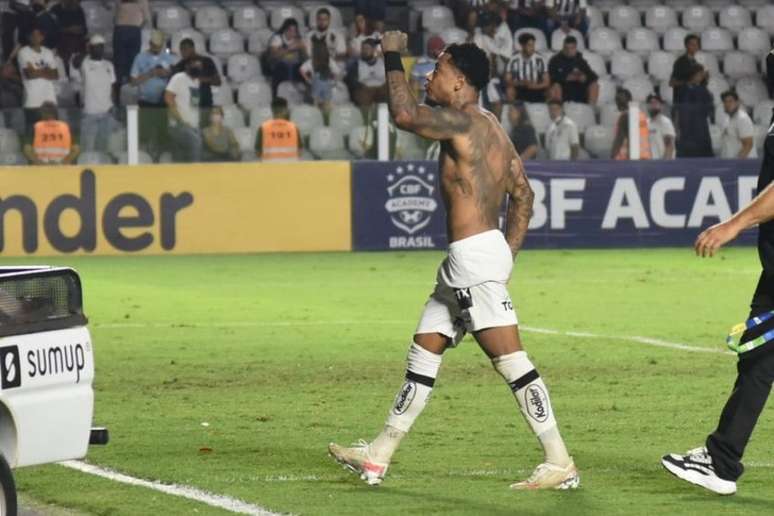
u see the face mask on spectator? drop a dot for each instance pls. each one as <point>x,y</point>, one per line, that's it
<point>96,53</point>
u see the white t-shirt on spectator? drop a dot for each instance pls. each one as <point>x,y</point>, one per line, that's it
<point>560,138</point>
<point>335,40</point>
<point>738,126</point>
<point>96,78</point>
<point>658,128</point>
<point>371,75</point>
<point>186,92</point>
<point>37,91</point>
<point>500,45</point>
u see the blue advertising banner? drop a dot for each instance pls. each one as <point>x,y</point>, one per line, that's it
<point>601,203</point>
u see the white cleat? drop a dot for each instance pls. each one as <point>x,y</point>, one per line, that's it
<point>358,460</point>
<point>551,476</point>
<point>696,467</point>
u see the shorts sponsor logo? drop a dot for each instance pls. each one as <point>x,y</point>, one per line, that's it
<point>411,204</point>
<point>404,398</point>
<point>10,368</point>
<point>536,402</point>
<point>507,305</point>
<point>464,299</point>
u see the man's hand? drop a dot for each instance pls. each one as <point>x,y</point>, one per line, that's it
<point>394,41</point>
<point>715,237</point>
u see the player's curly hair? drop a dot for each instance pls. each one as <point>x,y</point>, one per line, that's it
<point>471,61</point>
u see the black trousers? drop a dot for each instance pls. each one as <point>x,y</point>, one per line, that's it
<point>751,390</point>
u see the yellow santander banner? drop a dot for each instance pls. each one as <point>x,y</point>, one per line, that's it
<point>181,209</point>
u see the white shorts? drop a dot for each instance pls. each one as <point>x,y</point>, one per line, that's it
<point>471,288</point>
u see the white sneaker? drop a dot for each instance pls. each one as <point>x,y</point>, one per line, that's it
<point>358,460</point>
<point>551,476</point>
<point>696,467</point>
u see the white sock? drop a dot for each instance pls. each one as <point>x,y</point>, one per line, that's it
<point>421,372</point>
<point>532,395</point>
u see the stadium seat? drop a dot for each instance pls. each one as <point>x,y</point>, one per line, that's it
<point>625,64</point>
<point>716,136</point>
<point>328,144</point>
<point>641,5</point>
<point>750,4</point>
<point>540,39</point>
<point>248,18</point>
<point>660,18</point>
<point>666,91</point>
<point>223,95</point>
<point>188,33</point>
<point>754,40</point>
<point>596,62</point>
<point>308,118</point>
<point>604,41</point>
<point>538,115</point>
<point>679,5</point>
<point>9,141</point>
<point>581,114</point>
<point>674,39</point>
<point>117,141</point>
<point>708,61</point>
<point>158,5</point>
<point>764,18</point>
<point>641,40</point>
<point>607,87</point>
<point>596,19</point>
<point>233,117</point>
<point>558,36</point>
<point>94,158</point>
<point>623,18</point>
<point>340,94</point>
<point>762,111</point>
<point>196,5</point>
<point>243,67</point>
<point>9,159</point>
<point>716,39</point>
<point>259,115</point>
<point>336,19</point>
<point>143,158</point>
<point>640,87</point>
<point>255,93</point>
<point>697,18</point>
<point>258,41</point>
<point>360,139</point>
<point>278,15</point>
<point>751,90</point>
<point>246,137</point>
<point>608,115</point>
<point>345,117</point>
<point>717,84</point>
<point>606,5</point>
<point>437,18</point>
<point>99,20</point>
<point>734,17</point>
<point>210,19</point>
<point>233,6</point>
<point>454,35</point>
<point>738,64</point>
<point>408,146</point>
<point>225,42</point>
<point>171,19</point>
<point>660,64</point>
<point>291,92</point>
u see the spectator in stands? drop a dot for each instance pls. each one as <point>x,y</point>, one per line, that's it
<point>528,13</point>
<point>72,28</point>
<point>278,139</point>
<point>39,72</point>
<point>11,87</point>
<point>425,64</point>
<point>367,78</point>
<point>495,38</point>
<point>46,20</point>
<point>220,144</point>
<point>336,42</point>
<point>570,13</point>
<point>321,73</point>
<point>620,149</point>
<point>150,72</point>
<point>522,134</point>
<point>209,75</point>
<point>562,139</point>
<point>52,143</point>
<point>737,141</point>
<point>16,23</point>
<point>182,99</point>
<point>661,131</point>
<point>286,53</point>
<point>470,23</point>
<point>770,74</point>
<point>527,73</point>
<point>375,12</point>
<point>693,108</point>
<point>97,77</point>
<point>572,78</point>
<point>685,64</point>
<point>361,31</point>
<point>131,17</point>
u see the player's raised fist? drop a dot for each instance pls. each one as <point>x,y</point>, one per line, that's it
<point>394,41</point>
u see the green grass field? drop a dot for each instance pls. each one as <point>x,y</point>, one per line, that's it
<point>281,354</point>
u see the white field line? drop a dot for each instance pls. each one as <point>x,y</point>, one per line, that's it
<point>192,493</point>
<point>648,341</point>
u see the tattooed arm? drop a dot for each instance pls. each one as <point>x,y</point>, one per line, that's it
<point>520,197</point>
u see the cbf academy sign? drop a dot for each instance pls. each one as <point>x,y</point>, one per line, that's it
<point>577,204</point>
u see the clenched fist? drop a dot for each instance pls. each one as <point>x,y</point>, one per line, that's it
<point>394,41</point>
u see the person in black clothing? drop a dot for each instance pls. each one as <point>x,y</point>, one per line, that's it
<point>16,23</point>
<point>770,74</point>
<point>71,21</point>
<point>681,70</point>
<point>572,79</point>
<point>716,466</point>
<point>693,107</point>
<point>209,76</point>
<point>522,132</point>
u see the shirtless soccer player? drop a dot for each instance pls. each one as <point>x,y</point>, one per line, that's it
<point>478,167</point>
